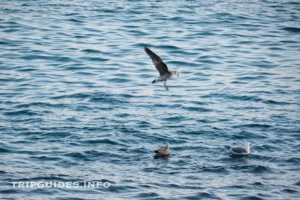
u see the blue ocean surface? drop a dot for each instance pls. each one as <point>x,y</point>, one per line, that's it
<point>75,88</point>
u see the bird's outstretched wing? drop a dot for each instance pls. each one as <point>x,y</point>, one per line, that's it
<point>157,61</point>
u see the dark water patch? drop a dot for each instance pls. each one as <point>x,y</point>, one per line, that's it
<point>175,118</point>
<point>143,124</point>
<point>101,141</point>
<point>256,169</point>
<point>263,126</point>
<point>56,134</point>
<point>137,32</point>
<point>97,59</point>
<point>47,58</point>
<point>233,97</point>
<point>96,154</point>
<point>147,195</point>
<point>77,21</point>
<point>197,109</point>
<point>10,191</point>
<point>11,30</point>
<point>45,158</point>
<point>109,99</point>
<point>258,184</point>
<point>21,113</point>
<point>70,198</point>
<point>71,96</point>
<point>249,78</point>
<point>290,191</point>
<point>140,150</point>
<point>202,195</point>
<point>252,197</point>
<point>291,29</point>
<point>75,67</point>
<point>274,102</point>
<point>243,97</point>
<point>181,63</point>
<point>123,115</point>
<point>91,51</point>
<point>119,80</point>
<point>215,169</point>
<point>40,104</point>
<point>4,150</point>
<point>239,82</point>
<point>77,156</point>
<point>294,160</point>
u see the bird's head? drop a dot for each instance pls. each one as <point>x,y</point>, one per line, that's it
<point>166,143</point>
<point>175,73</point>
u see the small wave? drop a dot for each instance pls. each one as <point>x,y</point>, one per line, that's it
<point>39,104</point>
<point>176,118</point>
<point>214,169</point>
<point>253,126</point>
<point>202,195</point>
<point>290,191</point>
<point>197,109</point>
<point>76,95</point>
<point>75,20</point>
<point>56,134</point>
<point>46,158</point>
<point>98,59</point>
<point>253,168</point>
<point>119,80</point>
<point>252,197</point>
<point>77,155</point>
<point>101,141</point>
<point>4,150</point>
<point>295,160</point>
<point>292,29</point>
<point>275,102</point>
<point>91,51</point>
<point>22,112</point>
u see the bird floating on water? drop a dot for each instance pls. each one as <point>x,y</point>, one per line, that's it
<point>164,150</point>
<point>239,151</point>
<point>161,67</point>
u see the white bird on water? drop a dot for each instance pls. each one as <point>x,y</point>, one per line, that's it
<point>239,151</point>
<point>163,151</point>
<point>161,67</point>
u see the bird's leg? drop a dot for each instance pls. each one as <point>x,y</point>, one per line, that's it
<point>165,83</point>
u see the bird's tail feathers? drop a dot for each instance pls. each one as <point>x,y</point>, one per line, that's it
<point>227,147</point>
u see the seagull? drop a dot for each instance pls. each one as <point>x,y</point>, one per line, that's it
<point>161,67</point>
<point>239,151</point>
<point>163,151</point>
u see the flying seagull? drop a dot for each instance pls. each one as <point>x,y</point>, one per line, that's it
<point>163,151</point>
<point>239,151</point>
<point>161,67</point>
